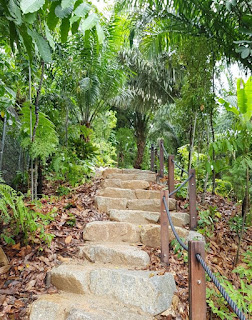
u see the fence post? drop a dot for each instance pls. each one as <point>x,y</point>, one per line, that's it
<point>171,174</point>
<point>192,200</point>
<point>152,157</point>
<point>161,158</point>
<point>197,282</point>
<point>164,228</point>
<point>155,157</point>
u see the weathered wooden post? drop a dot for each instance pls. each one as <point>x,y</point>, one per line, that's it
<point>192,200</point>
<point>155,161</point>
<point>197,282</point>
<point>164,228</point>
<point>171,174</point>
<point>152,157</point>
<point>161,158</point>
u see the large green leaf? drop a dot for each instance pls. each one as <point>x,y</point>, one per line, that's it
<point>42,45</point>
<point>49,37</point>
<point>100,33</point>
<point>67,3</point>
<point>241,96</point>
<point>29,6</point>
<point>27,40</point>
<point>82,10</point>
<point>63,13</point>
<point>52,19</point>
<point>64,29</point>
<point>15,12</point>
<point>90,22</point>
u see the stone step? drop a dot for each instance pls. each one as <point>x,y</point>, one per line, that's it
<point>129,193</point>
<point>133,184</point>
<point>116,254</point>
<point>88,307</point>
<point>152,205</point>
<point>109,171</point>
<point>107,203</point>
<point>151,177</point>
<point>109,231</point>
<point>143,289</point>
<point>179,219</point>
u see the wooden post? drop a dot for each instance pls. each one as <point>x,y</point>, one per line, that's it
<point>192,200</point>
<point>171,174</point>
<point>161,158</point>
<point>164,228</point>
<point>197,282</point>
<point>152,157</point>
<point>156,156</point>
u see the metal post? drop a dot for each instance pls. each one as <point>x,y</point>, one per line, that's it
<point>152,157</point>
<point>171,174</point>
<point>197,282</point>
<point>192,200</point>
<point>161,158</point>
<point>164,228</point>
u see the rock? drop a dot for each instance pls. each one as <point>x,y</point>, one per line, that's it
<point>150,235</point>
<point>111,183</point>
<point>71,278</point>
<point>104,203</point>
<point>134,216</point>
<point>116,254</point>
<point>109,171</point>
<point>49,308</point>
<point>135,184</point>
<point>151,177</point>
<point>180,219</point>
<point>147,194</point>
<point>195,236</point>
<point>72,306</point>
<point>152,205</point>
<point>111,232</point>
<point>147,290</point>
<point>117,193</point>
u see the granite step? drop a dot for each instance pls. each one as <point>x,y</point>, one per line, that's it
<point>148,290</point>
<point>132,184</point>
<point>179,219</point>
<point>83,307</point>
<point>129,193</point>
<point>107,203</point>
<point>116,254</point>
<point>150,177</point>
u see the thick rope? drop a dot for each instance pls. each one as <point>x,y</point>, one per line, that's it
<point>178,166</point>
<point>220,288</point>
<point>182,184</point>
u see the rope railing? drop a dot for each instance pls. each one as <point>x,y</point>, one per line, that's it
<point>181,186</point>
<point>225,295</point>
<point>179,167</point>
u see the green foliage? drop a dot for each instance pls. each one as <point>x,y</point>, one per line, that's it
<point>16,218</point>
<point>63,191</point>
<point>242,295</point>
<point>223,188</point>
<point>126,147</point>
<point>68,167</point>
<point>46,138</point>
<point>207,219</point>
<point>177,249</point>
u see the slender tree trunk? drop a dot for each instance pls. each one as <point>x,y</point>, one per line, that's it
<point>30,99</point>
<point>66,124</point>
<point>3,142</point>
<point>192,142</point>
<point>36,180</point>
<point>40,179</point>
<point>244,213</point>
<point>213,140</point>
<point>141,122</point>
<point>207,174</point>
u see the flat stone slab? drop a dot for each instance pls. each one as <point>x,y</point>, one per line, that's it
<point>151,177</point>
<point>152,205</point>
<point>110,231</point>
<point>117,193</point>
<point>150,235</point>
<point>147,194</point>
<point>117,183</point>
<point>134,216</point>
<point>88,307</point>
<point>116,254</point>
<point>145,289</point>
<point>105,204</point>
<point>180,219</point>
<point>71,278</point>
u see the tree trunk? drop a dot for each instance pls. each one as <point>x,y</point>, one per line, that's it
<point>40,179</point>
<point>141,122</point>
<point>3,142</point>
<point>213,140</point>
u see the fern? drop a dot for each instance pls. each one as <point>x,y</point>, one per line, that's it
<point>19,218</point>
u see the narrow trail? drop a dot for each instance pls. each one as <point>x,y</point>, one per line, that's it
<point>108,278</point>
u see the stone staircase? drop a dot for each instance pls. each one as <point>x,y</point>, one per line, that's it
<point>106,282</point>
